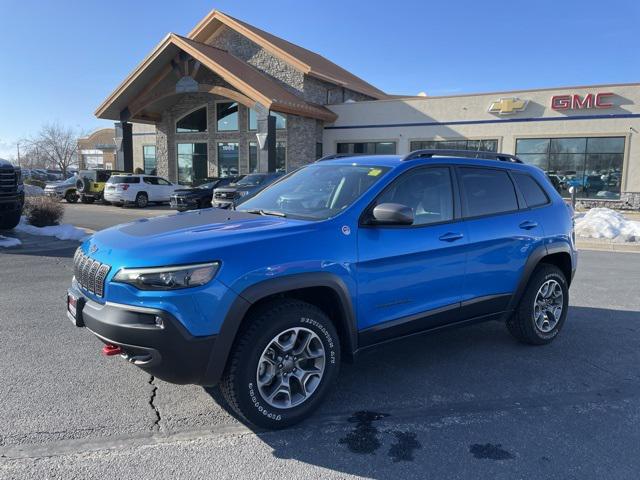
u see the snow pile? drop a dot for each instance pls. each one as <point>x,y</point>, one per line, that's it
<point>606,223</point>
<point>9,242</point>
<point>33,190</point>
<point>61,232</point>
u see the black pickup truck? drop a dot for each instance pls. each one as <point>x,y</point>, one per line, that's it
<point>11,195</point>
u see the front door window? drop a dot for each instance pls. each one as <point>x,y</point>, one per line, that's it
<point>228,159</point>
<point>192,163</point>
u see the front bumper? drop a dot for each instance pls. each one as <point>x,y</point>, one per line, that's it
<point>54,194</point>
<point>182,203</point>
<point>167,351</point>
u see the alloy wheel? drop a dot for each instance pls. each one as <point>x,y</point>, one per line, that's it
<point>291,368</point>
<point>548,305</point>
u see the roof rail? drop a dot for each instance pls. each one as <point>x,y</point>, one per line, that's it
<point>333,156</point>
<point>503,157</point>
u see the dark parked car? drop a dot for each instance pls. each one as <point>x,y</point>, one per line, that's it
<point>11,195</point>
<point>234,193</point>
<point>200,196</point>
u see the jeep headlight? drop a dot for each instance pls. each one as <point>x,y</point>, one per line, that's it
<point>168,278</point>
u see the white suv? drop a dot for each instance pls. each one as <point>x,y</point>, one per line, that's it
<point>138,189</point>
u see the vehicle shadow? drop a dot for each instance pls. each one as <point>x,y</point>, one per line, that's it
<point>379,419</point>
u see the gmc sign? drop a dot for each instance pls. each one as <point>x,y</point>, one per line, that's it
<point>579,102</point>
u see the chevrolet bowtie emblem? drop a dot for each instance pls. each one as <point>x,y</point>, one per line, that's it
<point>506,106</point>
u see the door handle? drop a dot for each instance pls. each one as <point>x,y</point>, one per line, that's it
<point>450,237</point>
<point>528,225</point>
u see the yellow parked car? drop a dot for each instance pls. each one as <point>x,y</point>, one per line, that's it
<point>90,184</point>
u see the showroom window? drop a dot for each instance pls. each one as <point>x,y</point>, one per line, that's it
<point>593,165</point>
<point>281,156</point>
<point>228,159</point>
<point>149,159</point>
<point>253,157</point>
<point>193,122</point>
<point>192,163</point>
<point>485,145</point>
<point>227,116</point>
<point>281,120</point>
<point>371,148</point>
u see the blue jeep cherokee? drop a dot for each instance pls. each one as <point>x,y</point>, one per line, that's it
<point>331,259</point>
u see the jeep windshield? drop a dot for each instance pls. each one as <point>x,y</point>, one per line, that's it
<point>316,192</point>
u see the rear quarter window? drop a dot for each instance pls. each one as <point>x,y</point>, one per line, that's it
<point>533,193</point>
<point>124,180</point>
<point>487,191</point>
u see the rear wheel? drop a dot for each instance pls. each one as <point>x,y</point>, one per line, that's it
<point>71,196</point>
<point>282,365</point>
<point>142,200</point>
<point>543,307</point>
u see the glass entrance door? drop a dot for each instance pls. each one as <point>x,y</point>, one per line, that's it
<point>228,159</point>
<point>192,163</point>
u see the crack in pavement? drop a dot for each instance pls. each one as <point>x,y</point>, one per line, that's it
<point>154,391</point>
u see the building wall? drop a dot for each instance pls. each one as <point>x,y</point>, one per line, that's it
<point>97,141</point>
<point>167,138</point>
<point>143,134</point>
<point>439,118</point>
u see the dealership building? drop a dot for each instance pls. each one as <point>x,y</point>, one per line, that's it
<point>229,98</point>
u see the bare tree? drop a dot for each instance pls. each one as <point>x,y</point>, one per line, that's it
<point>56,145</point>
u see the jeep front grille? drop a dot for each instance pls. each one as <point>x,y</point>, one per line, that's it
<point>90,273</point>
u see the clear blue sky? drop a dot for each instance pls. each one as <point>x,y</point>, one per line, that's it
<point>60,59</point>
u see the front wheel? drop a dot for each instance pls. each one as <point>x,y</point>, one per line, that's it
<point>543,308</point>
<point>282,365</point>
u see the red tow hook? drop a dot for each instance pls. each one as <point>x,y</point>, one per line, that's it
<point>110,350</point>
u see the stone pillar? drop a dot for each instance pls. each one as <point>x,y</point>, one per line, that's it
<point>266,127</point>
<point>127,146</point>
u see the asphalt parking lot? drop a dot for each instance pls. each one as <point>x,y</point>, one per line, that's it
<point>467,403</point>
<point>97,216</point>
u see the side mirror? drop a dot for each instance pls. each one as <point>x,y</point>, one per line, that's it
<point>392,214</point>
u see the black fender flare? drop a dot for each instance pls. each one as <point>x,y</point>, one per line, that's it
<point>248,297</point>
<point>532,262</point>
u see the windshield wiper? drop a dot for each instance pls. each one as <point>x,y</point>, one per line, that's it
<point>275,213</point>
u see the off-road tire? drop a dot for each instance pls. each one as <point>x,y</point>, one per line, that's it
<point>10,220</point>
<point>522,323</point>
<point>71,196</point>
<point>82,185</point>
<point>239,384</point>
<point>142,200</point>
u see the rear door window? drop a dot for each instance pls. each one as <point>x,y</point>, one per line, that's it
<point>123,179</point>
<point>532,192</point>
<point>486,191</point>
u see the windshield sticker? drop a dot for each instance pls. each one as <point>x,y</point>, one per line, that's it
<point>374,172</point>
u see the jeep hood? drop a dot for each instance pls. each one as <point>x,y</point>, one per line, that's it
<point>175,238</point>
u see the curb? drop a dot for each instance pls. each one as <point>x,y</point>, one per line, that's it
<point>606,245</point>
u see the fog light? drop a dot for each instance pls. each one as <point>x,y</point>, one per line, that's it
<point>159,322</point>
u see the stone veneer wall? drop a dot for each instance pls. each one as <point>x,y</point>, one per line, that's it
<point>301,134</point>
<point>628,201</point>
